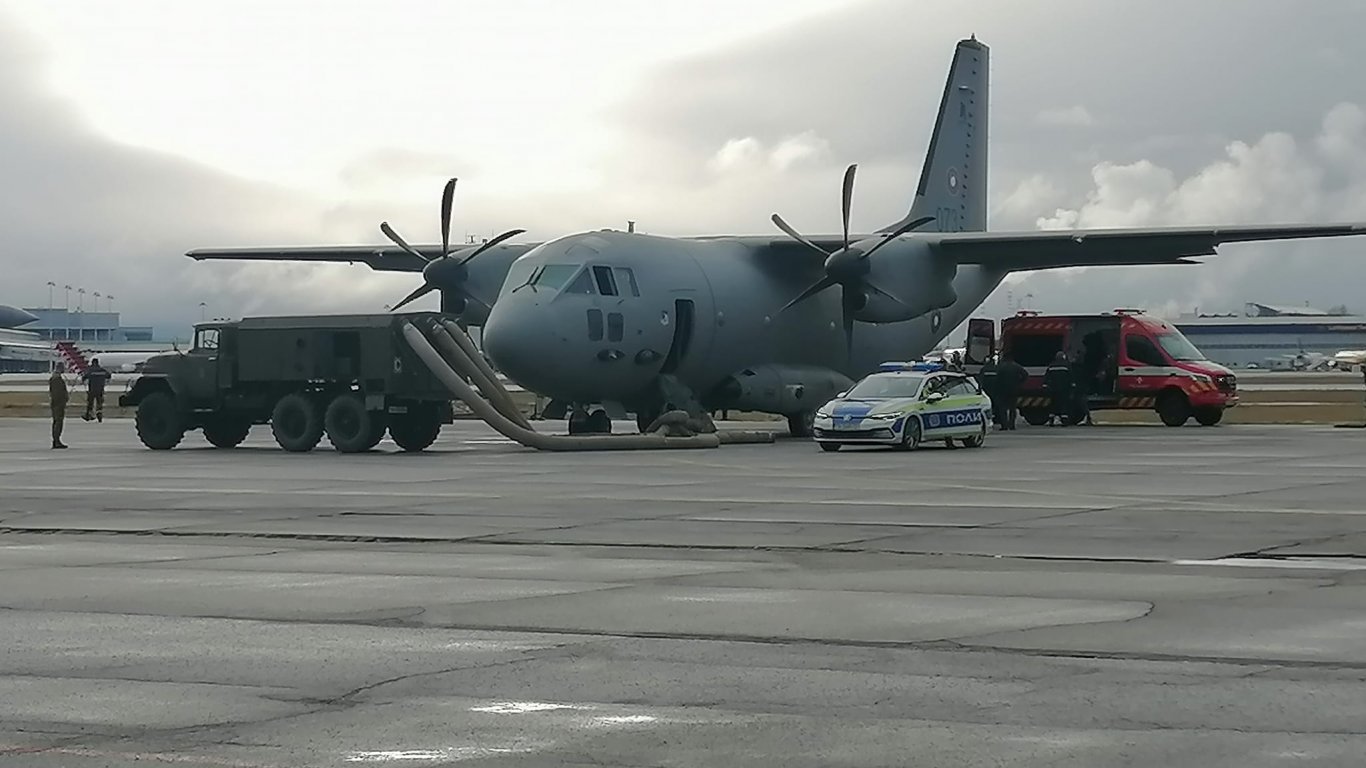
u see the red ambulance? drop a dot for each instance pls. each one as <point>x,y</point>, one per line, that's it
<point>1131,361</point>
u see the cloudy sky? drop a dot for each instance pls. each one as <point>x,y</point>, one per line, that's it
<point>133,131</point>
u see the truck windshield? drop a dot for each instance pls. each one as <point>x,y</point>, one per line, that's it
<point>1178,347</point>
<point>886,385</point>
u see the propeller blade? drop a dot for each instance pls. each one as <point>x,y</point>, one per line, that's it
<point>825,282</point>
<point>447,195</point>
<point>400,242</point>
<point>848,200</point>
<point>848,318</point>
<point>795,235</point>
<point>423,290</point>
<point>876,289</point>
<point>491,243</point>
<point>903,229</point>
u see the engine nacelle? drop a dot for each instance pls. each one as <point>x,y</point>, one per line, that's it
<point>911,271</point>
<point>782,389</point>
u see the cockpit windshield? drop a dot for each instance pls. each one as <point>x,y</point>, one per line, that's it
<point>886,385</point>
<point>1179,347</point>
<point>554,276</point>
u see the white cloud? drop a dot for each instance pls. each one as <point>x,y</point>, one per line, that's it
<point>750,155</point>
<point>1075,116</point>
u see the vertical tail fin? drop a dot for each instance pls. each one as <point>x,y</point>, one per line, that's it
<point>953,181</point>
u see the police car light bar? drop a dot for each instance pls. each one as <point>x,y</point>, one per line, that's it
<point>916,366</point>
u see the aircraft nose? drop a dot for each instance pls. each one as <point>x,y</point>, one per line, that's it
<point>516,344</point>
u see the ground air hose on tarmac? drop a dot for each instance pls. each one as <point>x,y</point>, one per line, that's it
<point>462,360</point>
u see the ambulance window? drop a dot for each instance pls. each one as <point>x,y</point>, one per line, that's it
<point>1140,350</point>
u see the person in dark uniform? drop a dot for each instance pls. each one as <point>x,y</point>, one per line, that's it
<point>988,381</point>
<point>1081,389</point>
<point>57,399</point>
<point>1010,378</point>
<point>1057,380</point>
<point>95,377</point>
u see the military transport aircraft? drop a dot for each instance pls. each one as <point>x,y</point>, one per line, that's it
<point>761,323</point>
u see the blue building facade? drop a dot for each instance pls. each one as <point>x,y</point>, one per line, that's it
<point>58,324</point>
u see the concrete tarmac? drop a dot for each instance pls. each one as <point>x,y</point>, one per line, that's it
<point>1061,597</point>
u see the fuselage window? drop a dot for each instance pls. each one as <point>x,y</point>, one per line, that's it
<point>615,326</point>
<point>595,325</point>
<point>627,278</point>
<point>582,284</point>
<point>607,286</point>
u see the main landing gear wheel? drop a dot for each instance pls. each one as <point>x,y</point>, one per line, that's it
<point>1035,417</point>
<point>801,424</point>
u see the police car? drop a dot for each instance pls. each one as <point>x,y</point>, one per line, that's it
<point>905,404</point>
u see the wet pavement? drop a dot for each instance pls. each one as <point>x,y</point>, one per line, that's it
<point>1062,597</point>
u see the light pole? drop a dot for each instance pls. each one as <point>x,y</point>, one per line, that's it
<point>109,297</point>
<point>201,311</point>
<point>51,286</point>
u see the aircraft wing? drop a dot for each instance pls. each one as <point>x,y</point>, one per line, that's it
<point>385,258</point>
<point>1050,249</point>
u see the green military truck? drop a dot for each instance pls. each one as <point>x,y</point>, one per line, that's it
<point>350,377</point>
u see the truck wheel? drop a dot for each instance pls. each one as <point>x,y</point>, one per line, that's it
<point>349,426</point>
<point>1209,416</point>
<point>415,430</point>
<point>159,423</point>
<point>296,423</point>
<point>225,431</point>
<point>1173,409</point>
<point>378,423</point>
<point>1035,417</point>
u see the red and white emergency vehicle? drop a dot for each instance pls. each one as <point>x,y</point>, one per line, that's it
<point>1130,360</point>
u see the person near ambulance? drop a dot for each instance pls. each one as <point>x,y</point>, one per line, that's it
<point>1057,381</point>
<point>988,380</point>
<point>1010,378</point>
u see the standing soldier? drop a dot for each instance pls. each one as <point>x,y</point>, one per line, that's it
<point>1057,379</point>
<point>95,376</point>
<point>987,379</point>
<point>57,398</point>
<point>1010,378</point>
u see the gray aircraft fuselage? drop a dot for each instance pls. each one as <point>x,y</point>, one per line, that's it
<point>543,337</point>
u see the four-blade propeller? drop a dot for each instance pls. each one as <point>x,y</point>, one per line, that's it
<point>445,272</point>
<point>847,267</point>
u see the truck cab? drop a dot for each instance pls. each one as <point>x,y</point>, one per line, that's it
<point>1126,360</point>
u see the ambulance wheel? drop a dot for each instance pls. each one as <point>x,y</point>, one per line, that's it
<point>1208,417</point>
<point>1173,409</point>
<point>1035,417</point>
<point>830,447</point>
<point>913,434</point>
<point>976,440</point>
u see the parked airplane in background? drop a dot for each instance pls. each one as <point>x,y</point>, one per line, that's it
<point>14,317</point>
<point>762,323</point>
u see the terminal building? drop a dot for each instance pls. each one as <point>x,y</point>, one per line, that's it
<point>30,338</point>
<point>1269,336</point>
<point>61,324</point>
